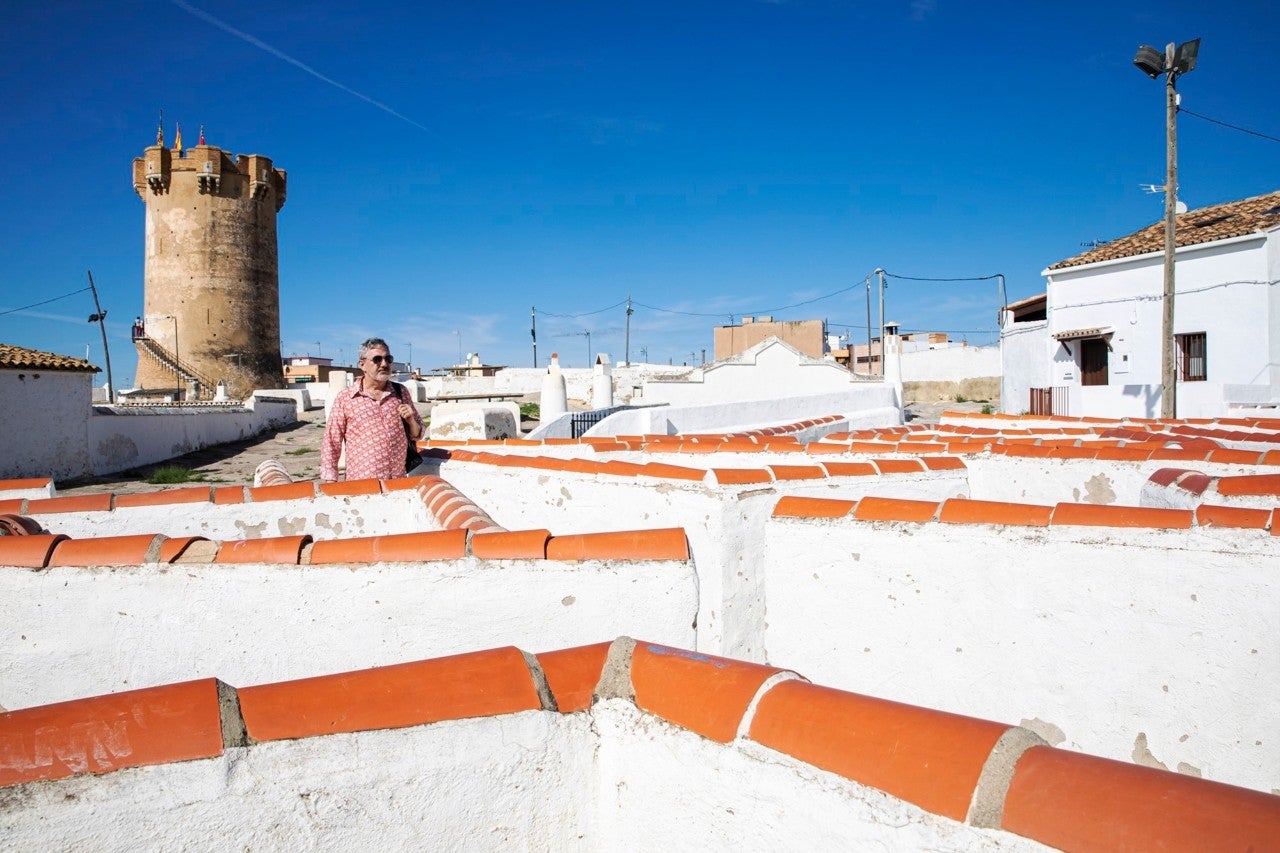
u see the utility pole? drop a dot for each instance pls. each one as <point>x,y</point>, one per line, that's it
<point>855,361</point>
<point>533,330</point>
<point>101,318</point>
<point>630,311</point>
<point>880,273</point>
<point>1177,59</point>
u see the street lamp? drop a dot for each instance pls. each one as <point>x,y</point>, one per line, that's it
<point>459,334</point>
<point>1179,59</point>
<point>409,366</point>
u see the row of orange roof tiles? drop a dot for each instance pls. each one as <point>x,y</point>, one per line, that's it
<point>938,761</point>
<point>52,550</point>
<point>967,511</point>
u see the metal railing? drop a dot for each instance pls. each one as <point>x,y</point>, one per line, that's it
<point>1049,401</point>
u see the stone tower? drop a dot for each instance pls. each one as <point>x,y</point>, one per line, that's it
<point>211,285</point>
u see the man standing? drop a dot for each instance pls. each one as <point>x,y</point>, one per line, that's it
<point>373,419</point>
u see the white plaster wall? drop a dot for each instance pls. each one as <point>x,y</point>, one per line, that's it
<point>627,379</point>
<point>664,788</point>
<point>77,632</point>
<point>1137,645</point>
<point>1024,364</point>
<point>300,395</point>
<point>770,369</point>
<point>519,781</point>
<point>134,436</point>
<point>1223,289</point>
<point>863,405</point>
<point>950,364</point>
<point>322,518</point>
<point>725,525</point>
<point>44,417</point>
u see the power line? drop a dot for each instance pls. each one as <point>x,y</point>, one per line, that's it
<point>917,278</point>
<point>46,302</point>
<point>587,313</point>
<point>1225,124</point>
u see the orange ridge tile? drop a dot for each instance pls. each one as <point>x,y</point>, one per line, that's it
<point>739,476</point>
<point>965,511</point>
<point>825,448</point>
<point>671,472</point>
<point>702,693</point>
<point>560,441</point>
<point>350,487</point>
<point>777,445</point>
<point>188,495</point>
<point>796,506</point>
<point>229,494</point>
<point>1065,452</point>
<point>849,469</point>
<point>944,463</point>
<point>400,484</point>
<point>894,509</point>
<point>872,447</point>
<point>898,466</point>
<point>966,447</point>
<point>29,552</point>
<point>1238,457</point>
<point>105,551</point>
<point>133,728</point>
<point>392,548</point>
<point>1125,454</point>
<point>1095,515</point>
<point>511,545</point>
<point>663,544</point>
<point>476,684</point>
<point>619,468</point>
<point>24,483</point>
<point>172,548</point>
<point>1167,476</point>
<point>284,550</point>
<point>16,506</point>
<point>1253,484</point>
<point>930,758</point>
<point>100,502</point>
<point>1073,801</point>
<point>572,674</point>
<point>1209,515</point>
<point>1271,457</point>
<point>285,492</point>
<point>796,472</point>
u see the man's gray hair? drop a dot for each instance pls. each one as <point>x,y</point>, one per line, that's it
<point>371,343</point>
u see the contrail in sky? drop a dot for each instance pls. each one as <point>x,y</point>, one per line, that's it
<point>258,43</point>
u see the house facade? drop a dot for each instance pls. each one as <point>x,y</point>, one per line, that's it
<point>1104,319</point>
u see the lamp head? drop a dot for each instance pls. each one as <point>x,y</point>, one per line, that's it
<point>1150,61</point>
<point>1185,58</point>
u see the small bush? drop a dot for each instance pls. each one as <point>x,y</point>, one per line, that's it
<point>988,409</point>
<point>299,451</point>
<point>169,474</point>
<point>530,410</point>
<point>960,398</point>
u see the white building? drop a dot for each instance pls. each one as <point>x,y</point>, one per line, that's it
<point>1104,320</point>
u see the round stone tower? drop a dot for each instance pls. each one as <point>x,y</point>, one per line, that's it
<point>211,285</point>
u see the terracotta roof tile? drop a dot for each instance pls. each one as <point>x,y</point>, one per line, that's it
<point>16,358</point>
<point>1203,225</point>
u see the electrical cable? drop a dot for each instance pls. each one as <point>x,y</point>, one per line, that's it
<point>1225,124</point>
<point>46,302</point>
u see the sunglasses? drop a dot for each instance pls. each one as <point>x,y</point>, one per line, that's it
<point>381,359</point>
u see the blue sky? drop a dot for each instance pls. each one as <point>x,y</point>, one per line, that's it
<point>451,167</point>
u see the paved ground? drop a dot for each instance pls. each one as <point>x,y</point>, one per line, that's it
<point>297,448</point>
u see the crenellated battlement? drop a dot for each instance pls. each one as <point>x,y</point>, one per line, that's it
<point>215,173</point>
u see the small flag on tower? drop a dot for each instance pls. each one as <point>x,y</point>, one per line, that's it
<point>177,138</point>
<point>160,130</point>
<point>201,140</point>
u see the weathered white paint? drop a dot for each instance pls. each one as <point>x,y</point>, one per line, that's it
<point>770,369</point>
<point>664,788</point>
<point>463,420</point>
<point>1226,288</point>
<point>322,518</point>
<point>1134,644</point>
<point>611,779</point>
<point>1025,355</point>
<point>77,632</point>
<point>44,417</point>
<point>949,364</point>
<point>52,431</point>
<point>522,781</point>
<point>301,397</point>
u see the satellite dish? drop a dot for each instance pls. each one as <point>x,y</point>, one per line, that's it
<point>1180,206</point>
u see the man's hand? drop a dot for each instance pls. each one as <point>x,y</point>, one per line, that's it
<point>407,412</point>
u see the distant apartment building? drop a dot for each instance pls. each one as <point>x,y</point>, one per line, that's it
<point>807,336</point>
